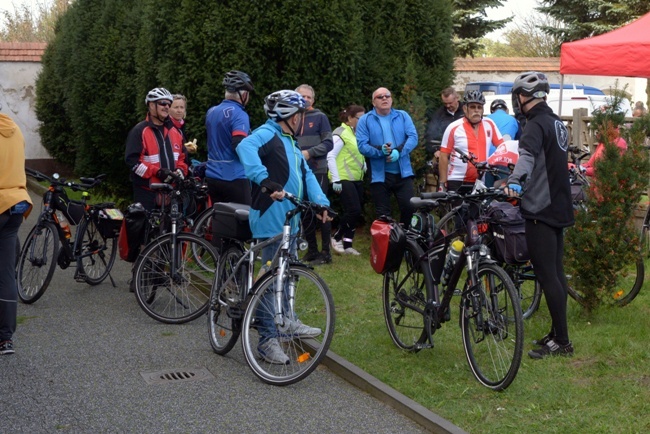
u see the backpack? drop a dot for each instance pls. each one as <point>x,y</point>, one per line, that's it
<point>132,232</point>
<point>388,245</point>
<point>508,232</point>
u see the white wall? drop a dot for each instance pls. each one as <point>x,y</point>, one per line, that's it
<point>18,98</point>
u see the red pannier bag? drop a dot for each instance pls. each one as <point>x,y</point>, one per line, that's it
<point>388,244</point>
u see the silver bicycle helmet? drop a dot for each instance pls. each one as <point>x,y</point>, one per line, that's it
<point>474,96</point>
<point>498,104</point>
<point>531,83</point>
<point>236,80</point>
<point>283,104</point>
<point>157,94</point>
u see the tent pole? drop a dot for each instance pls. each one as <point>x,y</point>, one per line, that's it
<point>559,112</point>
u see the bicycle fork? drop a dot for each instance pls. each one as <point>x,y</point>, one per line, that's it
<point>280,295</point>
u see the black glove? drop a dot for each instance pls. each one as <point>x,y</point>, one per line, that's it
<point>165,175</point>
<point>269,187</point>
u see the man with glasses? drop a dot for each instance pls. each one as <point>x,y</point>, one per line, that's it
<point>387,136</point>
<point>471,135</point>
<point>154,148</point>
<point>451,110</point>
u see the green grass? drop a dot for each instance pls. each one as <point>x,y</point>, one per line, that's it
<point>604,388</point>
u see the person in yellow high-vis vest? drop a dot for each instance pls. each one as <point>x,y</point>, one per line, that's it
<point>346,169</point>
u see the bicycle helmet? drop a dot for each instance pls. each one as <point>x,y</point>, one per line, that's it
<point>474,96</point>
<point>157,94</point>
<point>531,83</point>
<point>236,80</point>
<point>283,104</point>
<point>498,104</point>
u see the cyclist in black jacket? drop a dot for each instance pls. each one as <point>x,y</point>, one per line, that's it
<point>542,175</point>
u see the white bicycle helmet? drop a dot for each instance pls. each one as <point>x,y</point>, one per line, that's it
<point>157,94</point>
<point>283,104</point>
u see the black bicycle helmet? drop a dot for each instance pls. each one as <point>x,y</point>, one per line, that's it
<point>283,104</point>
<point>498,104</point>
<point>157,94</point>
<point>474,96</point>
<point>531,83</point>
<point>236,80</point>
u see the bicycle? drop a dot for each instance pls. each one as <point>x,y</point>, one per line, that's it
<point>50,241</point>
<point>173,274</point>
<point>417,296</point>
<point>299,294</point>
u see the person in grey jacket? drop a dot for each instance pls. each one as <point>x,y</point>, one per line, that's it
<point>315,139</point>
<point>541,177</point>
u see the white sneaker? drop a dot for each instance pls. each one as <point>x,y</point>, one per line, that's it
<point>351,251</point>
<point>296,329</point>
<point>337,246</point>
<point>271,351</point>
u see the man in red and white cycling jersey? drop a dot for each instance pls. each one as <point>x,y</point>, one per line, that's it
<point>471,135</point>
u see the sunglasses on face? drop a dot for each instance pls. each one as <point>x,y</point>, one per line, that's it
<point>386,96</point>
<point>163,103</point>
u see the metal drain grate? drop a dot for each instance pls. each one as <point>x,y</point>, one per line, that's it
<point>176,375</point>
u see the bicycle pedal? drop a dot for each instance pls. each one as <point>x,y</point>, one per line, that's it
<point>79,277</point>
<point>424,346</point>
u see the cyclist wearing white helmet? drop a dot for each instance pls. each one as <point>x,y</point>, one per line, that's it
<point>541,172</point>
<point>471,135</point>
<point>274,164</point>
<point>154,148</point>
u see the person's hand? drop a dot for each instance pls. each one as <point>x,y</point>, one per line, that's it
<point>394,156</point>
<point>165,175</point>
<point>442,187</point>
<point>324,217</point>
<point>191,147</point>
<point>305,154</point>
<point>179,174</point>
<point>513,190</point>
<point>273,189</point>
<point>583,169</point>
<point>337,187</point>
<point>385,148</point>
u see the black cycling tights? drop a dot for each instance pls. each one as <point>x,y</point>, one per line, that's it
<point>546,247</point>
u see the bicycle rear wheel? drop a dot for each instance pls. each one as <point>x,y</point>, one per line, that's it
<point>492,327</point>
<point>203,228</point>
<point>37,262</point>
<point>180,296</point>
<point>405,292</point>
<point>96,254</point>
<point>527,286</point>
<point>313,306</point>
<point>227,301</point>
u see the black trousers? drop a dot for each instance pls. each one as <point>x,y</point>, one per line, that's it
<point>352,203</point>
<point>310,223</point>
<point>546,247</point>
<point>402,188</point>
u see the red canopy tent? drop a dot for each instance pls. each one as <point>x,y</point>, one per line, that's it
<point>622,52</point>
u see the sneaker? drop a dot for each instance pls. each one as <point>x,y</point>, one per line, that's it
<point>543,341</point>
<point>311,256</point>
<point>552,349</point>
<point>271,351</point>
<point>351,251</point>
<point>337,246</point>
<point>296,329</point>
<point>6,347</point>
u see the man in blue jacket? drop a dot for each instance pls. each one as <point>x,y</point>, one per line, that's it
<point>274,163</point>
<point>387,136</point>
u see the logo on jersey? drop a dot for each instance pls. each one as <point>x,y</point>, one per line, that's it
<point>562,135</point>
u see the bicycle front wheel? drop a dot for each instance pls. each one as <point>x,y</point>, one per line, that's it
<point>37,262</point>
<point>95,254</point>
<point>171,284</point>
<point>492,327</point>
<point>405,293</point>
<point>227,301</point>
<point>298,349</point>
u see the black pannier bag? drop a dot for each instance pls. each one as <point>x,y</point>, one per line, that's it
<point>109,221</point>
<point>508,232</point>
<point>132,232</point>
<point>230,220</point>
<point>388,245</point>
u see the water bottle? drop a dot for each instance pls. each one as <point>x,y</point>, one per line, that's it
<point>452,257</point>
<point>63,223</point>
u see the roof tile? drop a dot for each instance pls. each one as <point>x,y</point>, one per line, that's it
<point>21,51</point>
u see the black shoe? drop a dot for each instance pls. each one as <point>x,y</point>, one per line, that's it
<point>327,256</point>
<point>323,258</point>
<point>6,348</point>
<point>131,285</point>
<point>543,341</point>
<point>552,349</point>
<point>311,256</point>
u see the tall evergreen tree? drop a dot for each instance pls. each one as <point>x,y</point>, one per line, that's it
<point>471,24</point>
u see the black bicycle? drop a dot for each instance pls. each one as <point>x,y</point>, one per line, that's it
<point>50,242</point>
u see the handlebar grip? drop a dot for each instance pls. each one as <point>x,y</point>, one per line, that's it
<point>433,195</point>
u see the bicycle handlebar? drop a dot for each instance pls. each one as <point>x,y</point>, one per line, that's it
<point>55,180</point>
<point>303,205</point>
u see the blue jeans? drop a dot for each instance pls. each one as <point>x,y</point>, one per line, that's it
<point>9,225</point>
<point>266,309</point>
